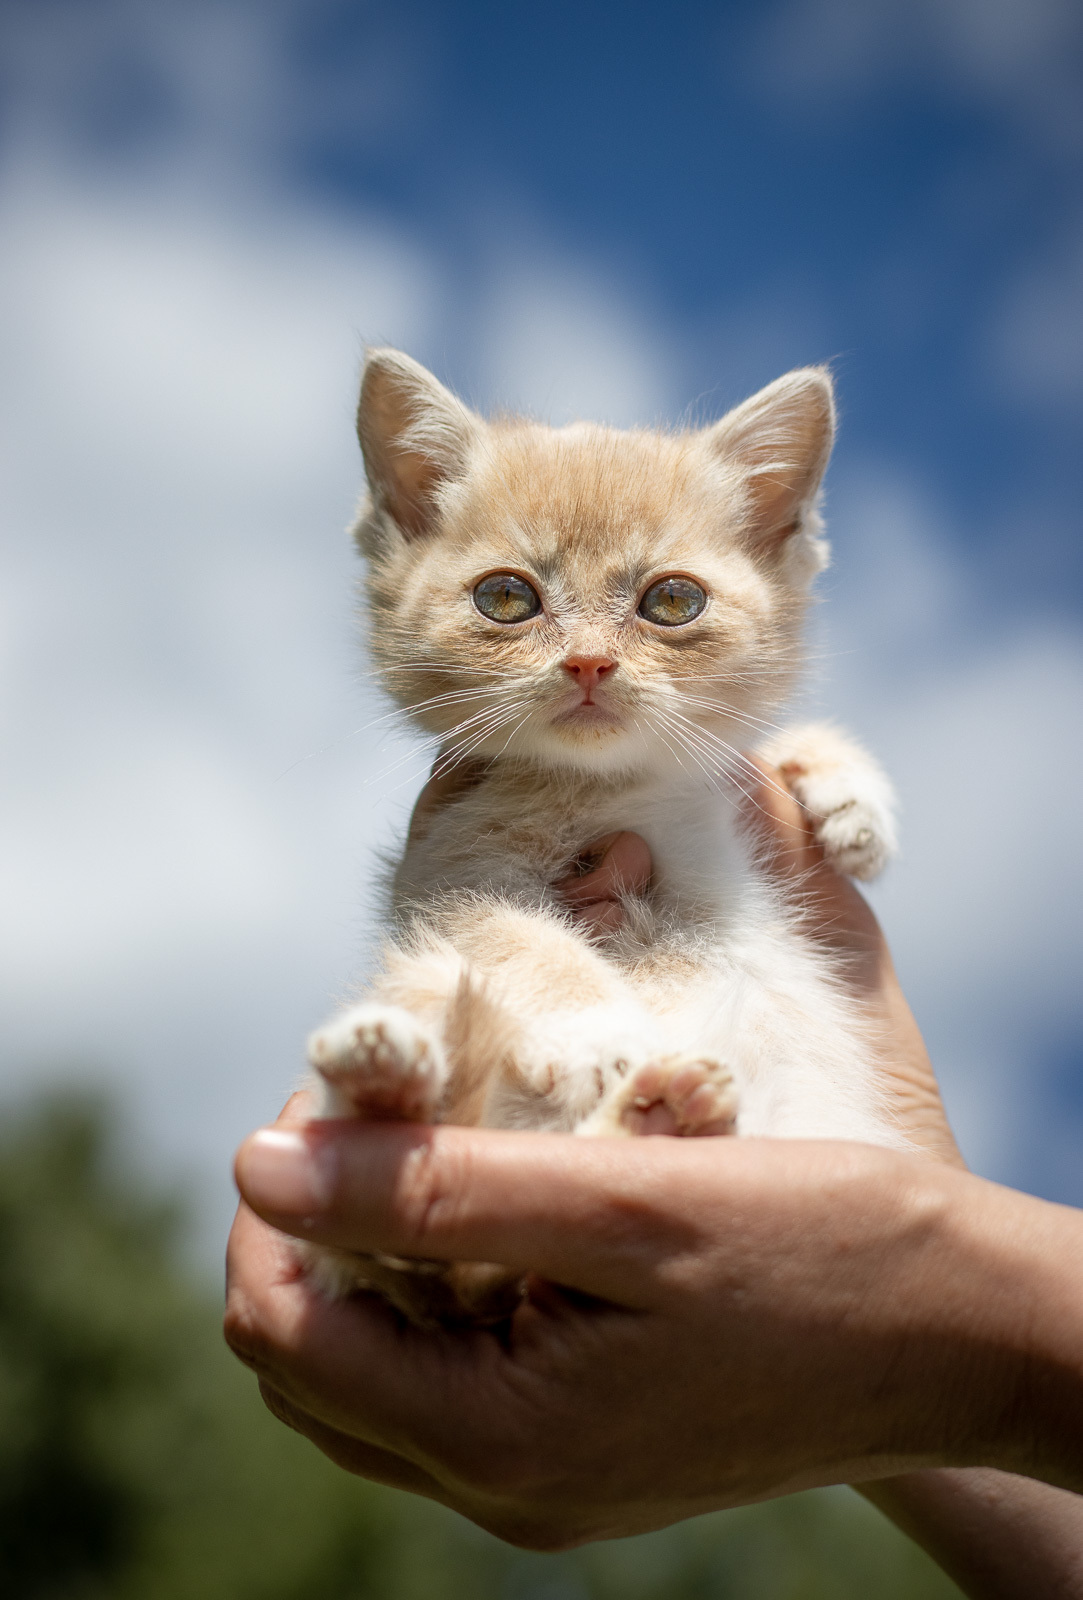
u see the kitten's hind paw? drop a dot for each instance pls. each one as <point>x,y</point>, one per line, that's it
<point>378,1061</point>
<point>686,1096</point>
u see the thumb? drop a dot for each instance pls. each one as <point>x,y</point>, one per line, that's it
<point>592,1214</point>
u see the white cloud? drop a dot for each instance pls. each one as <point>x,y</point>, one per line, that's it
<point>561,341</point>
<point>233,336</point>
<point>178,393</point>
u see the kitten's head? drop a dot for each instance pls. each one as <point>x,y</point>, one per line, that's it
<point>584,597</point>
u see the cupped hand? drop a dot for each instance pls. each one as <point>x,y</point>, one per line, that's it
<point>708,1323</point>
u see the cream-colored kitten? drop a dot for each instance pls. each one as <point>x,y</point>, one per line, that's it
<point>605,620</point>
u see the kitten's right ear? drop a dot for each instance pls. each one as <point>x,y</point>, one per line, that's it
<point>780,439</point>
<point>415,436</point>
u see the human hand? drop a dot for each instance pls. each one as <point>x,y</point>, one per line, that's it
<point>707,1324</point>
<point>1001,1536</point>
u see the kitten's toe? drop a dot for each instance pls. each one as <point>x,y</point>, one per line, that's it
<point>686,1096</point>
<point>858,839</point>
<point>847,797</point>
<point>378,1061</point>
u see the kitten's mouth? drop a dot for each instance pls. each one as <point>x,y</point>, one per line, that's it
<point>589,714</point>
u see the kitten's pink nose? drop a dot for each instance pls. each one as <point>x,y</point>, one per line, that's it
<point>588,671</point>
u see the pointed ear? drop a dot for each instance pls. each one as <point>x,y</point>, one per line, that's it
<point>780,440</point>
<point>415,436</point>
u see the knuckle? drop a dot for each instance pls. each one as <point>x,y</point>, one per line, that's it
<point>242,1330</point>
<point>429,1190</point>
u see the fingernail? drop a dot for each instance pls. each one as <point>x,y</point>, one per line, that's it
<point>278,1170</point>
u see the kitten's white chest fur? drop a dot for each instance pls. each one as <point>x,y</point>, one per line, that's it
<point>699,860</point>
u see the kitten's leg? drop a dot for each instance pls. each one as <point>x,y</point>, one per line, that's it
<point>572,1025</point>
<point>846,793</point>
<point>427,1058</point>
<point>682,1095</point>
<point>507,1017</point>
<point>422,1047</point>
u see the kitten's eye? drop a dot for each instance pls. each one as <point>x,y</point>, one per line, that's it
<point>502,597</point>
<point>673,601</point>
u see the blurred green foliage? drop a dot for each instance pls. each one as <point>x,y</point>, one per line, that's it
<point>137,1462</point>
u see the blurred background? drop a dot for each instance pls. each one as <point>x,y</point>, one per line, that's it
<point>636,213</point>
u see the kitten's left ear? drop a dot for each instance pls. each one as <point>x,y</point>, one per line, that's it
<point>415,437</point>
<point>781,440</point>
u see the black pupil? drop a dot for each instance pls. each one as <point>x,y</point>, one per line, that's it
<point>505,598</point>
<point>672,601</point>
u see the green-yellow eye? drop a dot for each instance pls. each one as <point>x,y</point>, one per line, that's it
<point>502,597</point>
<point>673,601</point>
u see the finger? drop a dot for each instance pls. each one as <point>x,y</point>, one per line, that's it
<point>600,918</point>
<point>593,1214</point>
<point>772,810</point>
<point>837,914</point>
<point>616,865</point>
<point>349,1365</point>
<point>352,1455</point>
<point>298,1108</point>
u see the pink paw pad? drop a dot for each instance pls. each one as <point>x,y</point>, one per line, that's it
<point>682,1096</point>
<point>381,1063</point>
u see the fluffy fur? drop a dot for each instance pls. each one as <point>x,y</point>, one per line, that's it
<point>493,1007</point>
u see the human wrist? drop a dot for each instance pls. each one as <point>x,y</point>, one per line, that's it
<point>1020,1366</point>
<point>975,1357</point>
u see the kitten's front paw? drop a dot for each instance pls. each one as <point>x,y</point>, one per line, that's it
<point>858,838</point>
<point>378,1061</point>
<point>687,1096</point>
<point>846,794</point>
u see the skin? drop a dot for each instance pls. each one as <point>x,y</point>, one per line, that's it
<point>707,1323</point>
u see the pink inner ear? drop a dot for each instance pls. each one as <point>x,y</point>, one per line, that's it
<point>772,518</point>
<point>413,434</point>
<point>408,489</point>
<point>781,439</point>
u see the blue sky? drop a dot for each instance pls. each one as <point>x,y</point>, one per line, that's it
<point>890,193</point>
<point>637,213</point>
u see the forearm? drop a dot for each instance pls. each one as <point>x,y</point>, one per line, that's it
<point>1000,1537</point>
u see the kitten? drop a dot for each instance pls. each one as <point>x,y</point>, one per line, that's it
<point>605,619</point>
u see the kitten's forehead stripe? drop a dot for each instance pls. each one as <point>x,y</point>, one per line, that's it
<point>592,489</point>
